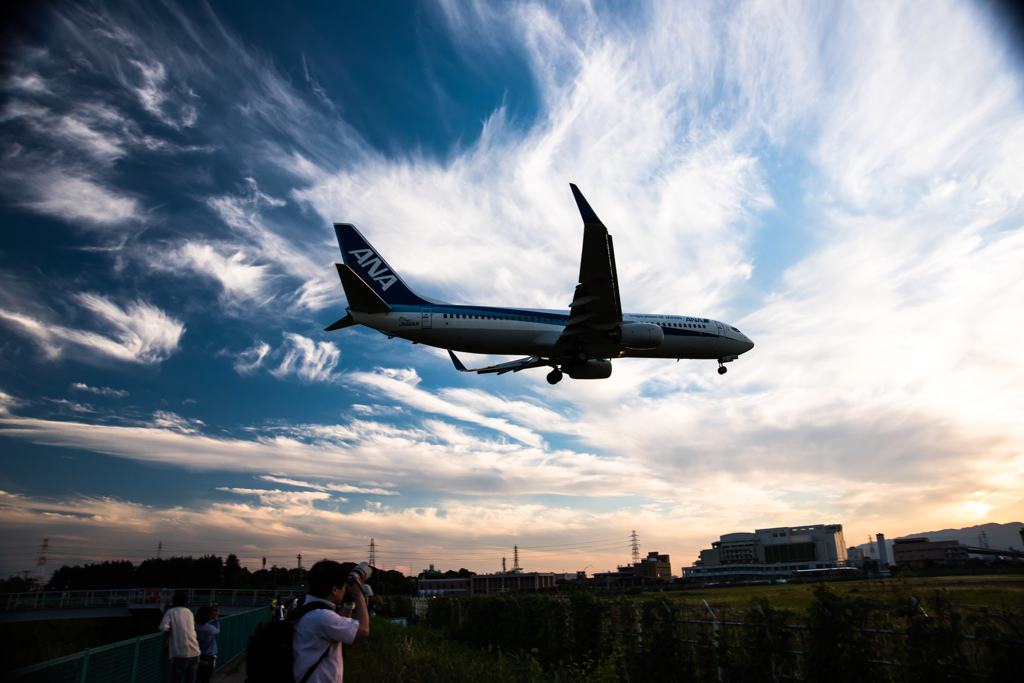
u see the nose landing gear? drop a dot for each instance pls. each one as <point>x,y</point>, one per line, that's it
<point>722,361</point>
<point>722,369</point>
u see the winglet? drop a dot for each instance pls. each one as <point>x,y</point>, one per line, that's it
<point>458,363</point>
<point>589,217</point>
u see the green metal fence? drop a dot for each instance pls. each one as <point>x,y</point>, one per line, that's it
<point>140,660</point>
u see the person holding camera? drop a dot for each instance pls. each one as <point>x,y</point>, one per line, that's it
<point>318,634</point>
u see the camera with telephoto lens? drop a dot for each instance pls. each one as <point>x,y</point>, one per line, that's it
<point>361,571</point>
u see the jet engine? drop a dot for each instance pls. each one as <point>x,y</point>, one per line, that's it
<point>592,369</point>
<point>640,336</point>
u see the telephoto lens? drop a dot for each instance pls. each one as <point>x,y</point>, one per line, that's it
<point>362,572</point>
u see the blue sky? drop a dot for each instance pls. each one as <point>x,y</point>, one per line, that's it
<point>840,181</point>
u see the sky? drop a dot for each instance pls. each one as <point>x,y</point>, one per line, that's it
<point>841,181</point>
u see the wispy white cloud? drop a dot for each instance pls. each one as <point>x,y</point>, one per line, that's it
<point>401,385</point>
<point>241,280</point>
<point>341,488</point>
<point>7,402</point>
<point>79,198</point>
<point>102,391</point>
<point>251,359</point>
<point>139,332</point>
<point>309,360</point>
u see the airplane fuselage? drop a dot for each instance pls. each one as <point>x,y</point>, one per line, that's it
<point>580,341</point>
<point>536,332</point>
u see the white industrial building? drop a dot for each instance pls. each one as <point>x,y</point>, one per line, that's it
<point>771,553</point>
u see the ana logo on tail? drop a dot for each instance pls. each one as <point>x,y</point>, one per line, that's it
<point>374,267</point>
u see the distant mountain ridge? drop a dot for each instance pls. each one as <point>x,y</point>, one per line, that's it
<point>999,536</point>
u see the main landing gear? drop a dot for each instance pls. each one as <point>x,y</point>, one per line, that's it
<point>555,376</point>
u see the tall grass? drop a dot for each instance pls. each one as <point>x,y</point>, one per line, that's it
<point>400,654</point>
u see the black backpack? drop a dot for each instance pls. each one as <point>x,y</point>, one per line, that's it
<point>269,657</point>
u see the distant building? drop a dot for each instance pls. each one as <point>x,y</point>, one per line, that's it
<point>483,584</point>
<point>921,552</point>
<point>770,553</point>
<point>654,567</point>
<point>443,586</point>
<point>651,568</point>
<point>506,583</point>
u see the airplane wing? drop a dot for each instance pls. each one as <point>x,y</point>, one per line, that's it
<point>501,368</point>
<point>595,306</point>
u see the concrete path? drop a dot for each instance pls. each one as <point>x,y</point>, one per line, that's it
<point>234,672</point>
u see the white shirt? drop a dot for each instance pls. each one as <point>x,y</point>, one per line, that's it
<point>314,633</point>
<point>183,632</point>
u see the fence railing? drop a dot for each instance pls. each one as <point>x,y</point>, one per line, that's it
<point>140,660</point>
<point>132,598</point>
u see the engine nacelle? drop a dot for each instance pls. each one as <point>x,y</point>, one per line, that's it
<point>640,336</point>
<point>592,369</point>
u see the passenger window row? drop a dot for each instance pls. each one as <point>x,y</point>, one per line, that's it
<point>525,318</point>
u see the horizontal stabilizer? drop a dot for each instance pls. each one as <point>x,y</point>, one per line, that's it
<point>361,298</point>
<point>501,368</point>
<point>347,321</point>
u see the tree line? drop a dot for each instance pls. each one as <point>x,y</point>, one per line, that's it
<point>208,571</point>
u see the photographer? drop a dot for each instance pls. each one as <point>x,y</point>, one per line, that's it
<point>320,633</point>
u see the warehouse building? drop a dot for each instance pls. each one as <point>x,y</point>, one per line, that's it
<point>768,554</point>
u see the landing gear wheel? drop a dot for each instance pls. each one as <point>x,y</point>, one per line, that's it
<point>722,369</point>
<point>555,376</point>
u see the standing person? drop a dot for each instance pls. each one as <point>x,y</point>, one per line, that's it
<point>207,628</point>
<point>320,633</point>
<point>182,646</point>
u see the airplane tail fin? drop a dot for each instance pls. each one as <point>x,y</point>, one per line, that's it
<point>372,271</point>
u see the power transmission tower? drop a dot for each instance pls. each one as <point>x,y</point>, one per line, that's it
<point>515,560</point>
<point>636,547</point>
<point>159,550</point>
<point>373,553</point>
<point>41,563</point>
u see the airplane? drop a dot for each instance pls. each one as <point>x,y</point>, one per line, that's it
<point>580,342</point>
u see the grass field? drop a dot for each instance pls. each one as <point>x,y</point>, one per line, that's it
<point>1006,591</point>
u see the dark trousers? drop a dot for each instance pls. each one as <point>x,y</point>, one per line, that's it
<point>207,663</point>
<point>184,669</point>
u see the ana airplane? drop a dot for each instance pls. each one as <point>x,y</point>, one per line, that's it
<point>580,342</point>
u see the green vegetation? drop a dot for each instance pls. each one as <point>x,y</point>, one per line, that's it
<point>968,591</point>
<point>900,631</point>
